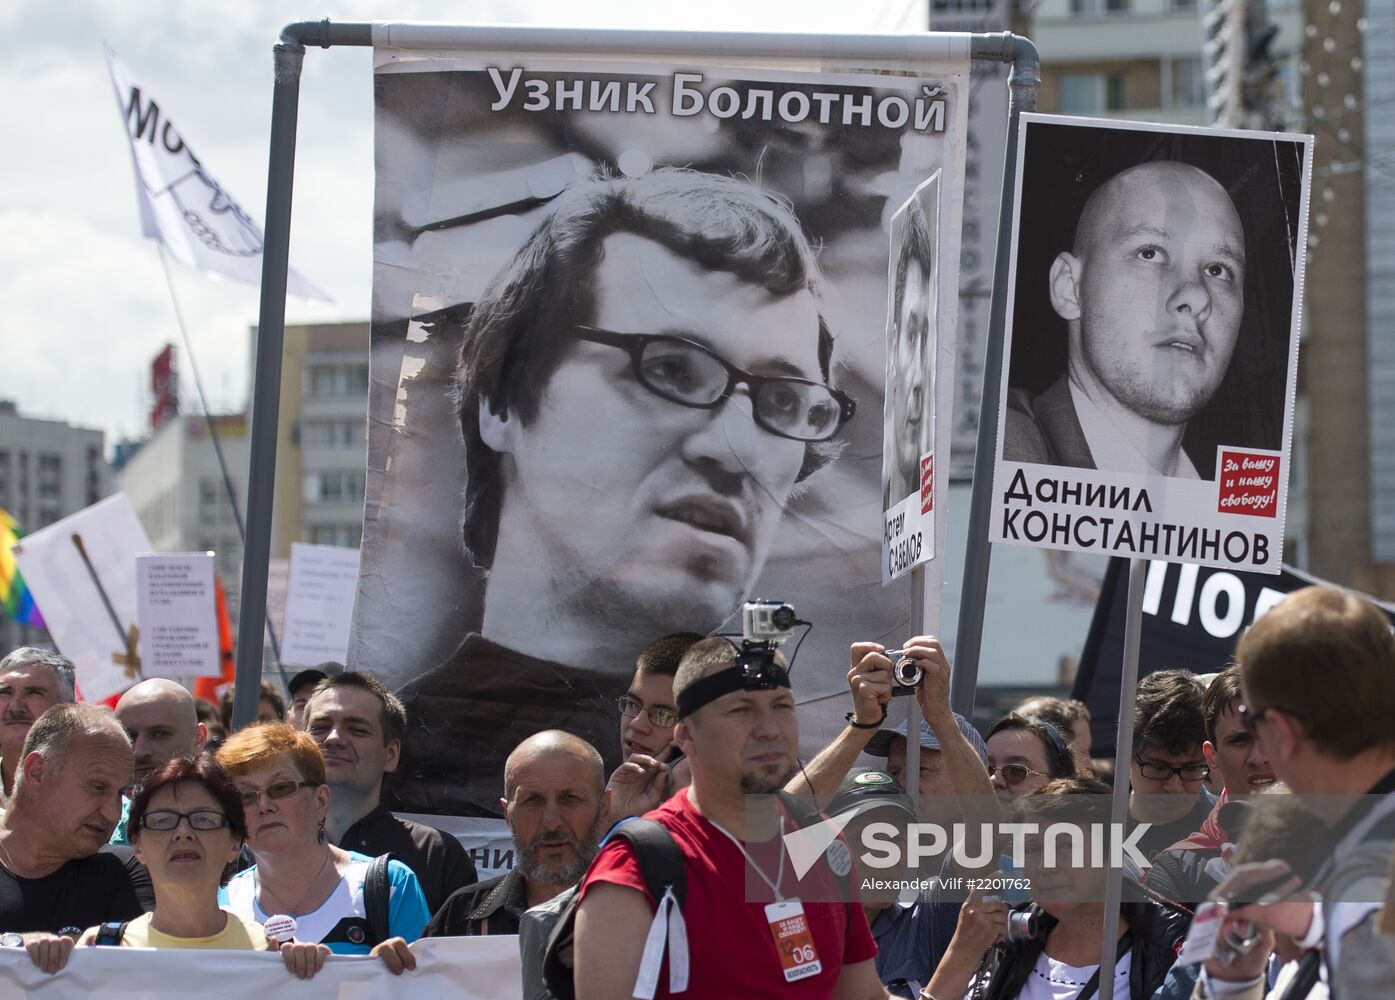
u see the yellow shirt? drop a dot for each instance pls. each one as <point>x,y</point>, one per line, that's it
<point>238,935</point>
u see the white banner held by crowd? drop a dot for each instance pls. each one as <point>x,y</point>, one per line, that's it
<point>181,204</point>
<point>177,613</point>
<point>1151,362</point>
<point>319,604</point>
<point>64,578</point>
<point>456,968</point>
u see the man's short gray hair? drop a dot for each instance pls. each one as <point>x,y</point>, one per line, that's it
<point>54,733</point>
<point>62,667</point>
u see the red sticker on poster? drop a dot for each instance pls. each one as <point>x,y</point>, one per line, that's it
<point>927,483</point>
<point>1249,483</point>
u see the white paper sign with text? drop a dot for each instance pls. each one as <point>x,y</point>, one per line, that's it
<point>319,604</point>
<point>177,616</point>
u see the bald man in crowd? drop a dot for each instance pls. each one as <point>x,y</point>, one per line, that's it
<point>1152,292</point>
<point>554,786</point>
<point>159,717</point>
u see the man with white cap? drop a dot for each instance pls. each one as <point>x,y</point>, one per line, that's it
<point>911,936</point>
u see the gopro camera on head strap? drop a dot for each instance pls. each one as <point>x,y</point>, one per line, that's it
<point>764,626</point>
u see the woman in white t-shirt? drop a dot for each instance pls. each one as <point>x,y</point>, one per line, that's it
<point>1061,962</point>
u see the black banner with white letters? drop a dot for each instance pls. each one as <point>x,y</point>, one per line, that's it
<point>1193,618</point>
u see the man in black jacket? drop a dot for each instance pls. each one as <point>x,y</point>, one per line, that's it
<point>554,785</point>
<point>358,724</point>
<point>57,873</point>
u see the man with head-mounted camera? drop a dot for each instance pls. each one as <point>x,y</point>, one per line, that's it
<point>737,727</point>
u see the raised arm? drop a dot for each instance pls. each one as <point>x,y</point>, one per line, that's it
<point>869,679</point>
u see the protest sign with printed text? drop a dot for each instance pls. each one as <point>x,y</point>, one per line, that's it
<point>1149,374</point>
<point>177,615</point>
<point>319,604</point>
<point>913,350</point>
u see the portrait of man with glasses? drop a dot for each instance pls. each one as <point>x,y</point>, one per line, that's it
<point>640,392</point>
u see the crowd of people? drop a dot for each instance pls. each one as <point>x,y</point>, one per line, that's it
<point>1264,793</point>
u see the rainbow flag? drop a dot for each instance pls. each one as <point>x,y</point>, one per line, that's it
<point>16,603</point>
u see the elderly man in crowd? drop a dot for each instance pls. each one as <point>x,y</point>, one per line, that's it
<point>358,725</point>
<point>162,723</point>
<point>554,784</point>
<point>31,682</point>
<point>58,875</point>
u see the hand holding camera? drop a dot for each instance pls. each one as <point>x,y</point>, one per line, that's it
<point>869,679</point>
<point>921,668</point>
<point>983,922</point>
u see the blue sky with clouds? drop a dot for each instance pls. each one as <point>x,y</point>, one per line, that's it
<point>83,301</point>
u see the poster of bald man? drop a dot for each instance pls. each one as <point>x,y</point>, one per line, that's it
<point>913,343</point>
<point>1149,372</point>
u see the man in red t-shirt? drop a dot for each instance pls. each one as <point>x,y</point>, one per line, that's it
<point>738,728</point>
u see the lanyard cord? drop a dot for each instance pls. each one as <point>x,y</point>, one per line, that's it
<point>780,872</point>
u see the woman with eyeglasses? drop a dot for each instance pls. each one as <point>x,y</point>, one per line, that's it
<point>1024,754</point>
<point>187,829</point>
<point>340,900</point>
<point>1060,957</point>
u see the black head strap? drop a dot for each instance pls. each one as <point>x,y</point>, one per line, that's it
<point>755,670</point>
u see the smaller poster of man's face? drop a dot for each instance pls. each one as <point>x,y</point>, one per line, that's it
<point>908,448</point>
<point>1152,343</point>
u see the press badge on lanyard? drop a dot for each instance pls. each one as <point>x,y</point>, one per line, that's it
<point>794,942</point>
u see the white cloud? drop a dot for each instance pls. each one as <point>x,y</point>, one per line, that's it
<point>83,299</point>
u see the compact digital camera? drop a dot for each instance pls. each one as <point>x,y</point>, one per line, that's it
<point>1022,925</point>
<point>905,675</point>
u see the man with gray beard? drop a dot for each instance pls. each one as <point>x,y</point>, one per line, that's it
<point>554,786</point>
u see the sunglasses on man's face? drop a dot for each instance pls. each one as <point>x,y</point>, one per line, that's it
<point>1014,774</point>
<point>275,790</point>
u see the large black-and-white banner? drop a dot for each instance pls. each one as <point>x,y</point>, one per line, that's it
<point>1154,311</point>
<point>628,358</point>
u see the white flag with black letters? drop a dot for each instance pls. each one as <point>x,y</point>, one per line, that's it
<point>181,204</point>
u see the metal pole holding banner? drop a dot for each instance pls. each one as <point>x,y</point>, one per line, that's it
<point>909,48</point>
<point>1023,84</point>
<point>1123,758</point>
<point>289,53</point>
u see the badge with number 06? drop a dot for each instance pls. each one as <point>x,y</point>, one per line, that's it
<point>794,942</point>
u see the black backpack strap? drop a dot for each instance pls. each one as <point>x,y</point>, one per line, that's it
<point>660,865</point>
<point>110,933</point>
<point>660,861</point>
<point>377,894</point>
